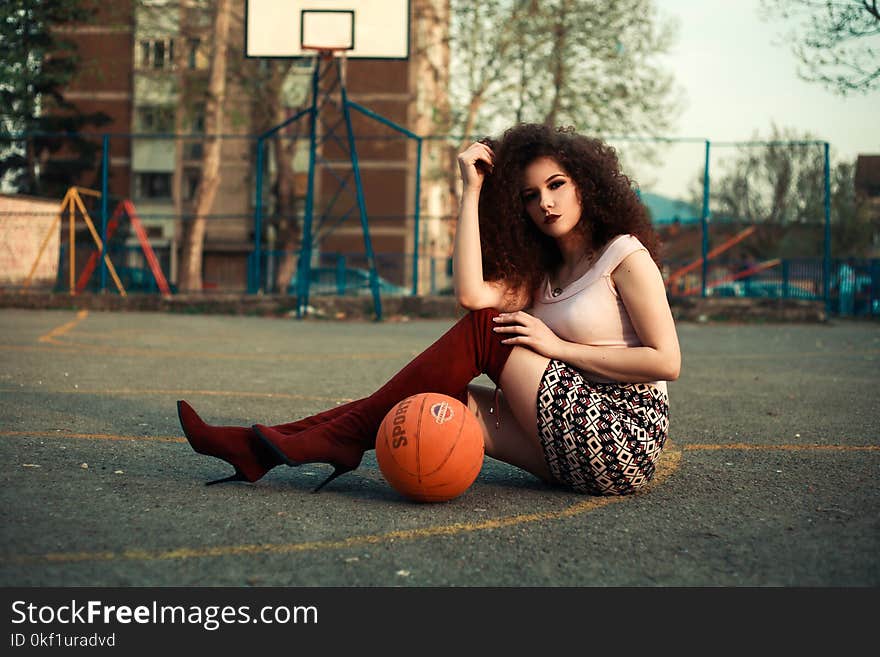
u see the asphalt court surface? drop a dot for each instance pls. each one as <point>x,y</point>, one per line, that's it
<point>769,478</point>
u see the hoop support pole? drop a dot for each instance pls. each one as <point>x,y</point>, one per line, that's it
<point>362,206</point>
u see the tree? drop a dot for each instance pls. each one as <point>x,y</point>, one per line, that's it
<point>836,41</point>
<point>588,63</point>
<point>194,233</point>
<point>278,89</point>
<point>592,64</point>
<point>35,66</point>
<point>779,187</point>
<point>851,230</point>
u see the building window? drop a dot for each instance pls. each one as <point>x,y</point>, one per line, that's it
<point>191,179</point>
<point>154,119</point>
<point>157,54</point>
<point>197,58</point>
<point>193,148</point>
<point>152,185</point>
<point>197,117</point>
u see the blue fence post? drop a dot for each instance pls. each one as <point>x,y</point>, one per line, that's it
<point>105,193</point>
<point>381,119</point>
<point>826,269</point>
<point>785,292</point>
<point>415,285</point>
<point>874,285</point>
<point>255,285</point>
<point>704,221</point>
<point>304,266</point>
<point>255,263</point>
<point>362,205</point>
<point>340,274</point>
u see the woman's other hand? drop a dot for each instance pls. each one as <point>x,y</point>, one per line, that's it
<point>528,331</point>
<point>474,163</point>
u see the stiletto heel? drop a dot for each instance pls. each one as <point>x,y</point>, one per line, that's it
<point>337,470</point>
<point>236,477</point>
<point>343,457</point>
<point>274,448</point>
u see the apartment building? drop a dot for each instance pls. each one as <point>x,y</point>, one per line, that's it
<point>146,64</point>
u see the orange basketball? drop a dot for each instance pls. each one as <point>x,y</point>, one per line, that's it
<point>430,447</point>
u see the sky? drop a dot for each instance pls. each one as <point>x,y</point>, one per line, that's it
<point>739,77</point>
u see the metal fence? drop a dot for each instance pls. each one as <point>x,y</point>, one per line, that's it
<point>715,248</point>
<point>854,289</point>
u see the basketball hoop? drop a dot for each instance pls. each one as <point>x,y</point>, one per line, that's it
<point>329,33</point>
<point>323,31</point>
<point>354,29</point>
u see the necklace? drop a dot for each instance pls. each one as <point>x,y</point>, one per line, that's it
<point>588,257</point>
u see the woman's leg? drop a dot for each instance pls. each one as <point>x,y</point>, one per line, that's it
<point>239,446</point>
<point>510,429</point>
<point>466,350</point>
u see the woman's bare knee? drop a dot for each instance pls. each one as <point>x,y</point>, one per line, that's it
<point>505,439</point>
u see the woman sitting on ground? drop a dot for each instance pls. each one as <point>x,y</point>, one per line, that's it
<point>556,261</point>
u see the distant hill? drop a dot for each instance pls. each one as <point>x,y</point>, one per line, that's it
<point>665,210</point>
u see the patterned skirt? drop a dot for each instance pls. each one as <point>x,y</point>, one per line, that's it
<point>600,438</point>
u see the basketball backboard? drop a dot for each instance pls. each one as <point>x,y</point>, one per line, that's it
<point>362,29</point>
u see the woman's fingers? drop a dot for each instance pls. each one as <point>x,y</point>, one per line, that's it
<point>527,330</point>
<point>517,322</point>
<point>488,152</point>
<point>515,328</point>
<point>475,162</point>
<point>477,152</point>
<point>520,317</point>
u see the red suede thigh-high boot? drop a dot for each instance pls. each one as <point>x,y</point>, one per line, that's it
<point>240,446</point>
<point>468,349</point>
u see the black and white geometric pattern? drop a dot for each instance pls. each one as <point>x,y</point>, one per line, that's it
<point>600,438</point>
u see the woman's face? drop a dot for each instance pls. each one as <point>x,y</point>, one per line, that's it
<point>550,197</point>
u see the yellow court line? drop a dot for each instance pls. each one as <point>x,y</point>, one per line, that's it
<point>339,544</point>
<point>54,334</point>
<point>709,447</point>
<point>668,464</point>
<point>51,336</point>
<point>124,392</point>
<point>81,347</point>
<point>776,354</point>
<point>686,447</point>
<point>788,448</point>
<point>90,436</point>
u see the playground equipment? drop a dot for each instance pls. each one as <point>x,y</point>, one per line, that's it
<point>754,269</point>
<point>126,208</point>
<point>721,248</point>
<point>72,203</point>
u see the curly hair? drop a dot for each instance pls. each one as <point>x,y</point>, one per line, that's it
<point>513,248</point>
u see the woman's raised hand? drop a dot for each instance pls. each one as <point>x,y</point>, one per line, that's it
<point>474,162</point>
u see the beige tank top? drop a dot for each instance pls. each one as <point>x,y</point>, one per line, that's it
<point>589,310</point>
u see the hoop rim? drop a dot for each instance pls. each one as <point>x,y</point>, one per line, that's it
<point>325,49</point>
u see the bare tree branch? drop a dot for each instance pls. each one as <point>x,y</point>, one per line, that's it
<point>837,42</point>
